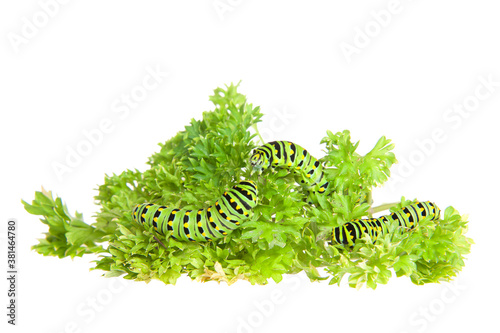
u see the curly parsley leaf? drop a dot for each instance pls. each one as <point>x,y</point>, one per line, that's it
<point>284,235</point>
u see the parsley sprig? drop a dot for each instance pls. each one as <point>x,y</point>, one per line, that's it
<point>284,235</point>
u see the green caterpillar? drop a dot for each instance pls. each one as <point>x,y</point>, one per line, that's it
<point>287,154</point>
<point>227,213</point>
<point>218,220</point>
<point>407,217</point>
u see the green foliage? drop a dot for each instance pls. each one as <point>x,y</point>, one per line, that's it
<point>68,236</point>
<point>433,252</point>
<point>283,236</point>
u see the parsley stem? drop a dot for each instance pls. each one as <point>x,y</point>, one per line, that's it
<point>382,207</point>
<point>254,126</point>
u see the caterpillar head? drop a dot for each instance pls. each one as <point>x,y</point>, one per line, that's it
<point>436,212</point>
<point>259,161</point>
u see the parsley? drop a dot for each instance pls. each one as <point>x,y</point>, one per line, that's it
<point>284,236</point>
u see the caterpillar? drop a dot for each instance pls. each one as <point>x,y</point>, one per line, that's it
<point>407,217</point>
<point>290,155</point>
<point>216,221</point>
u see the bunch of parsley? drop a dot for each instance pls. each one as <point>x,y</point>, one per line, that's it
<point>284,235</point>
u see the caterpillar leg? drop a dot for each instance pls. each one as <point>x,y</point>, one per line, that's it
<point>222,217</point>
<point>407,217</point>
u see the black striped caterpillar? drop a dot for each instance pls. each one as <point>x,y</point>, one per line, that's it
<point>218,220</point>
<point>407,217</point>
<point>234,206</point>
<point>287,154</point>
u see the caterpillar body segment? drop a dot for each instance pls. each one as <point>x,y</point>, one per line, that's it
<point>200,225</point>
<point>284,154</point>
<point>407,217</point>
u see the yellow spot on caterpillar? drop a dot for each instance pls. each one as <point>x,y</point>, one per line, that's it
<point>170,223</point>
<point>225,193</point>
<point>148,206</point>
<point>217,203</point>
<point>204,234</point>
<point>208,209</point>
<point>289,163</point>
<point>245,213</point>
<point>143,215</point>
<point>314,167</point>
<point>186,225</point>
<point>231,201</point>
<point>188,235</point>
<point>211,219</point>
<point>238,207</point>
<point>248,192</point>
<point>160,209</point>
<point>228,218</point>
<point>135,213</point>
<point>276,151</point>
<point>298,168</point>
<point>308,176</point>
<point>199,212</point>
<point>173,212</point>
<point>291,152</point>
<point>237,223</point>
<point>199,224</point>
<point>321,189</point>
<point>221,211</point>
<point>224,233</point>
<point>216,228</point>
<point>187,213</point>
<point>276,161</point>
<point>155,219</point>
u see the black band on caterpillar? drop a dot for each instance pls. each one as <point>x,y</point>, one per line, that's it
<point>290,155</point>
<point>218,220</point>
<point>407,217</point>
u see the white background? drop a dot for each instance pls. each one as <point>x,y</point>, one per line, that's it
<point>399,69</point>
